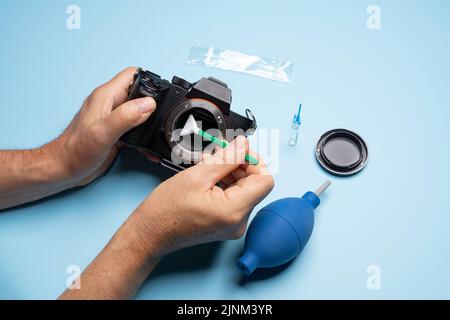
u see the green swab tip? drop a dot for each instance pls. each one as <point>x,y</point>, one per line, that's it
<point>191,127</point>
<point>251,160</point>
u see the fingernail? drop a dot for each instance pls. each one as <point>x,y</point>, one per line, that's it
<point>146,105</point>
<point>241,142</point>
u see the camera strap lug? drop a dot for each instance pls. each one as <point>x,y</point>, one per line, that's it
<point>250,116</point>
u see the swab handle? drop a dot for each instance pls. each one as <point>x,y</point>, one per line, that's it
<point>213,139</point>
<point>223,144</point>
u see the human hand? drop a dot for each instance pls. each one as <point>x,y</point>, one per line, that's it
<point>190,208</point>
<point>89,144</point>
<point>186,210</point>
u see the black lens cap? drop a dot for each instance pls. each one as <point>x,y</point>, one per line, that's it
<point>342,152</point>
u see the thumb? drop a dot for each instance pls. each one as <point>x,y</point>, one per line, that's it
<point>216,167</point>
<point>127,116</point>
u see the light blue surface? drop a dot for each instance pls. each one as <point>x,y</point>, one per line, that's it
<point>391,86</point>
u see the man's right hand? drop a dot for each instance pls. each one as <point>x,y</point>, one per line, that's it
<point>190,208</point>
<point>186,210</point>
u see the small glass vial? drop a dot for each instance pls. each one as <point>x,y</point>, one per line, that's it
<point>296,121</point>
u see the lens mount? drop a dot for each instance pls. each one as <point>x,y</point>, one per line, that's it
<point>208,117</point>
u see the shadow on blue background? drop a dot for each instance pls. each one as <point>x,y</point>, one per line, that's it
<point>196,258</point>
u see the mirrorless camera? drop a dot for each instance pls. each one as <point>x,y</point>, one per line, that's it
<point>208,100</point>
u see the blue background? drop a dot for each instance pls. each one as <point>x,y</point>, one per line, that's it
<point>391,86</point>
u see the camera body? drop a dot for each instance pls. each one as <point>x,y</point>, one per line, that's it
<point>208,99</point>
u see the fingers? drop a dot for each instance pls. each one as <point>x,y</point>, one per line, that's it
<point>115,90</point>
<point>216,167</point>
<point>261,168</point>
<point>123,79</point>
<point>244,170</point>
<point>249,191</point>
<point>118,86</point>
<point>125,117</point>
<point>252,184</point>
<point>235,176</point>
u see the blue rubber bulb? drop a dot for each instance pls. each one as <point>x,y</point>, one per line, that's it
<point>279,232</point>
